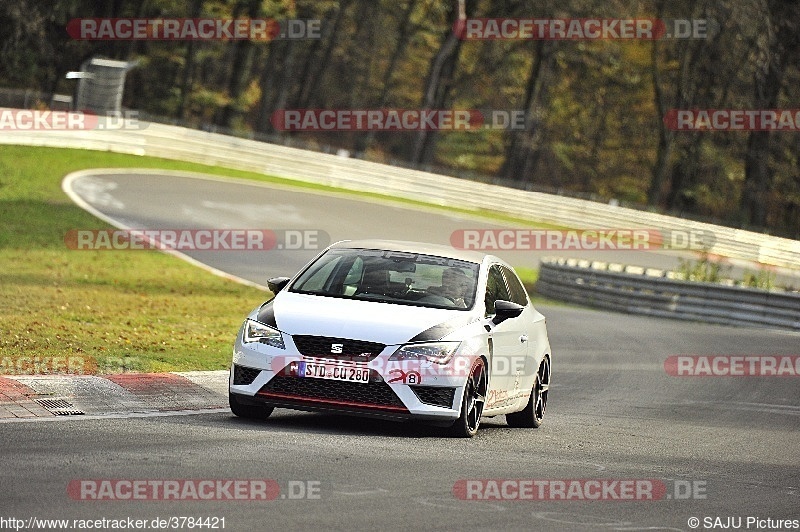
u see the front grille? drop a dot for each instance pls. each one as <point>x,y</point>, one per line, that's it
<point>374,394</point>
<point>322,347</point>
<point>243,375</point>
<point>435,395</point>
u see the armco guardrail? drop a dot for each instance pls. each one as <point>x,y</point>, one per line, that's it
<point>657,293</point>
<point>183,144</point>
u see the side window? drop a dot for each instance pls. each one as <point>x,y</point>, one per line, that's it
<point>318,280</point>
<point>353,278</point>
<point>518,293</point>
<point>495,289</point>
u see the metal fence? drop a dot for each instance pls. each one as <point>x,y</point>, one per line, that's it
<point>651,292</point>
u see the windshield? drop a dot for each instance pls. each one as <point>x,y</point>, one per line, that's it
<point>391,277</point>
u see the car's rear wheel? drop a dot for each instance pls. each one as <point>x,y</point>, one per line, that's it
<point>248,411</point>
<point>532,415</point>
<point>466,426</point>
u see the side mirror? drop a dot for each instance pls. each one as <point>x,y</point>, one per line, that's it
<point>276,284</point>
<point>505,310</point>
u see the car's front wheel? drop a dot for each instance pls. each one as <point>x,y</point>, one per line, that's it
<point>532,415</point>
<point>248,411</point>
<point>466,426</point>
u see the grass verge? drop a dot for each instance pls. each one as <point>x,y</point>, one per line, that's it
<point>143,311</point>
<point>118,311</point>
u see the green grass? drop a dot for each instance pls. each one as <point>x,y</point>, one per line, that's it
<point>146,311</point>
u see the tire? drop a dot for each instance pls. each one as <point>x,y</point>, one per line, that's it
<point>466,426</point>
<point>532,416</point>
<point>248,411</point>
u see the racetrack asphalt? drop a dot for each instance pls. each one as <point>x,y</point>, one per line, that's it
<point>615,413</point>
<point>156,201</point>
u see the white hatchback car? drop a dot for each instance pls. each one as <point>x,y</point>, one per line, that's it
<point>399,330</point>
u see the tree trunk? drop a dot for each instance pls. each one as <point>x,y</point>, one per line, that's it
<point>286,78</point>
<point>365,140</point>
<point>665,136</point>
<point>240,69</point>
<point>783,43</point>
<point>267,84</point>
<point>439,84</point>
<point>695,87</point>
<point>519,147</point>
<point>315,67</point>
<point>188,64</point>
<point>361,54</point>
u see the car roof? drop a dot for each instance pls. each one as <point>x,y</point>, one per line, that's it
<point>436,250</point>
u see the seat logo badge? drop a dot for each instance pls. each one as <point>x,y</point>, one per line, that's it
<point>337,348</point>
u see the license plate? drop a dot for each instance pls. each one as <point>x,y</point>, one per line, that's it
<point>335,372</point>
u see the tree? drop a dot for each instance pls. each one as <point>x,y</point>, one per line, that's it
<point>779,47</point>
<point>439,80</point>
<point>240,70</point>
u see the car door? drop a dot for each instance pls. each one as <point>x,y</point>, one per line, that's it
<point>523,367</point>
<point>509,345</point>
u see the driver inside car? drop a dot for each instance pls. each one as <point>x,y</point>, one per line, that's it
<point>455,285</point>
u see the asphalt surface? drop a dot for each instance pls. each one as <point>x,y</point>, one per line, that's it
<point>146,201</point>
<point>614,414</point>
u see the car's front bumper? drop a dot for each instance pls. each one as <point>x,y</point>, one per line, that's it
<point>261,374</point>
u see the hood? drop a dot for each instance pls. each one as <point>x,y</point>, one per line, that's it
<point>385,323</point>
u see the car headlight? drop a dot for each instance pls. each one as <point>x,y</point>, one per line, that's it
<point>439,352</point>
<point>258,332</point>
